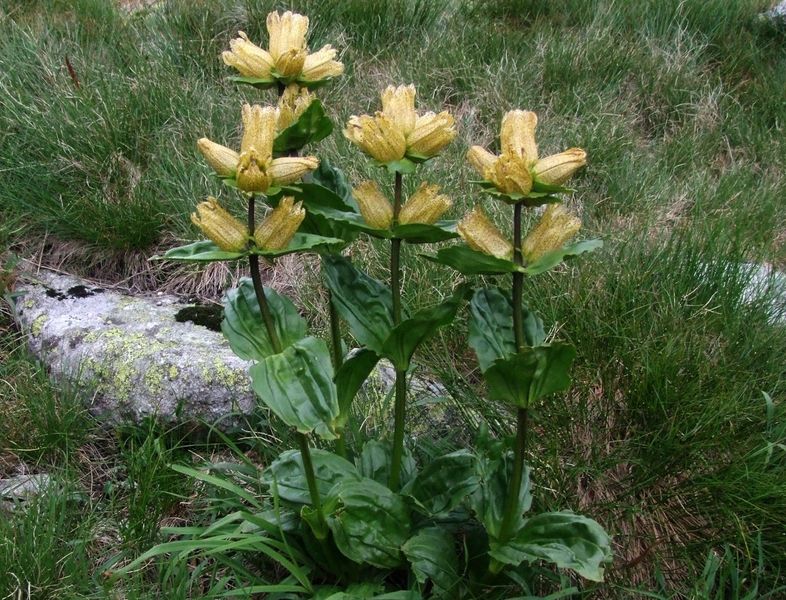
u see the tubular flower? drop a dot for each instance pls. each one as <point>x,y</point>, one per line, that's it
<point>254,168</point>
<point>518,167</point>
<point>287,58</point>
<point>278,228</point>
<point>556,227</point>
<point>426,205</point>
<point>402,131</point>
<point>219,226</point>
<point>481,234</point>
<point>293,103</point>
<point>375,208</point>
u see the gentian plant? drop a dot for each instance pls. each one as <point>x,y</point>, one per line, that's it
<point>341,516</point>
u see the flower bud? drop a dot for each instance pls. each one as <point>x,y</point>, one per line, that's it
<point>223,160</point>
<point>517,135</point>
<point>279,227</point>
<point>219,226</point>
<point>481,234</point>
<point>375,208</point>
<point>293,103</point>
<point>377,137</point>
<point>249,59</point>
<point>556,227</point>
<point>426,205</point>
<point>431,134</point>
<point>558,168</point>
<point>290,64</point>
<point>511,175</point>
<point>289,169</point>
<point>320,65</point>
<point>252,173</point>
<point>398,104</point>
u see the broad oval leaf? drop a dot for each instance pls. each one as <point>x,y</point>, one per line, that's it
<point>244,328</point>
<point>365,303</point>
<point>350,377</point>
<point>410,333</point>
<point>491,332</point>
<point>332,178</point>
<point>297,385</point>
<point>374,462</point>
<point>303,242</point>
<point>313,125</point>
<point>423,233</point>
<point>556,257</point>
<point>565,539</point>
<point>523,378</point>
<point>432,554</point>
<point>443,484</point>
<point>286,477</point>
<point>467,261</point>
<point>370,523</point>
<point>202,251</point>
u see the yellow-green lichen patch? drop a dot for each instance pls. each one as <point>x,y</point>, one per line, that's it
<point>173,372</point>
<point>38,325</point>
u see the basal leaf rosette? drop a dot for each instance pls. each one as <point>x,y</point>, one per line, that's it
<point>488,252</point>
<point>517,174</point>
<point>253,169</point>
<point>397,137</point>
<point>287,59</point>
<point>228,237</point>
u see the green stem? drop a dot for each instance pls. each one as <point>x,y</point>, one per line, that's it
<point>400,407</point>
<point>522,418</point>
<point>267,318</point>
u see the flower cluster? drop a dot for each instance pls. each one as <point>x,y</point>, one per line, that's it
<point>425,206</point>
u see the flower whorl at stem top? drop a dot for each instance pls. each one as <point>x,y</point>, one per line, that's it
<point>254,168</point>
<point>556,227</point>
<point>481,234</point>
<point>292,104</point>
<point>277,229</point>
<point>224,230</point>
<point>287,58</point>
<point>425,206</point>
<point>398,131</point>
<point>517,167</point>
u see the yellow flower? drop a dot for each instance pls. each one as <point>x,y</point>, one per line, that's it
<point>398,130</point>
<point>426,205</point>
<point>375,208</point>
<point>218,225</point>
<point>254,168</point>
<point>377,136</point>
<point>518,167</point>
<point>287,57</point>
<point>279,227</point>
<point>556,227</point>
<point>293,103</point>
<point>481,234</point>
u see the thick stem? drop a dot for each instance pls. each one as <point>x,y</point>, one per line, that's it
<point>267,318</point>
<point>400,406</point>
<point>522,417</point>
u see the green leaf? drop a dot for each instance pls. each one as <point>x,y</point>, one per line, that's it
<point>491,326</point>
<point>374,462</point>
<point>422,233</point>
<point>349,378</point>
<point>332,178</point>
<point>405,166</point>
<point>445,482</point>
<point>494,469</point>
<point>555,257</point>
<point>540,194</point>
<point>533,373</point>
<point>467,261</point>
<point>410,333</point>
<point>432,554</point>
<point>370,524</point>
<point>303,242</point>
<point>290,481</point>
<point>365,303</point>
<point>540,187</point>
<point>313,125</point>
<point>244,328</point>
<point>297,385</point>
<point>202,251</point>
<point>256,82</point>
<point>565,539</point>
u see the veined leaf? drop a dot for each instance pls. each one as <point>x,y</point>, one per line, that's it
<point>202,251</point>
<point>374,462</point>
<point>432,554</point>
<point>286,473</point>
<point>297,385</point>
<point>244,328</point>
<point>350,377</point>
<point>444,483</point>
<point>472,262</point>
<point>313,125</point>
<point>556,257</point>
<point>565,539</point>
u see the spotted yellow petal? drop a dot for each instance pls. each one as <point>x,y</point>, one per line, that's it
<point>398,104</point>
<point>223,160</point>
<point>377,137</point>
<point>556,227</point>
<point>426,205</point>
<point>431,134</point>
<point>287,32</point>
<point>481,159</point>
<point>249,59</point>
<point>517,135</point>
<point>289,169</point>
<point>322,65</point>
<point>374,207</point>
<point>227,232</point>
<point>558,168</point>
<point>259,130</point>
<point>279,227</point>
<point>481,234</point>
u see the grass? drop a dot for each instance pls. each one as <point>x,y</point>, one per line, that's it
<point>666,434</point>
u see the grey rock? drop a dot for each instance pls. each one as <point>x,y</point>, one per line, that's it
<point>16,490</point>
<point>777,12</point>
<point>764,283</point>
<point>128,356</point>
